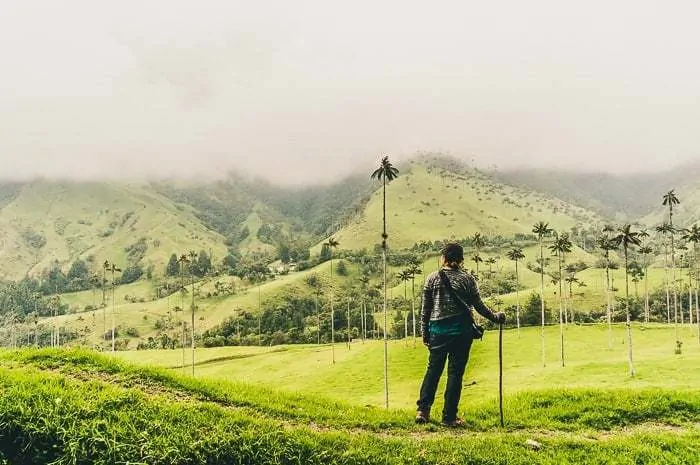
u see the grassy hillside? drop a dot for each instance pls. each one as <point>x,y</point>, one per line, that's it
<point>629,196</point>
<point>427,203</point>
<point>213,310</point>
<point>48,221</point>
<point>78,407</point>
<point>685,214</point>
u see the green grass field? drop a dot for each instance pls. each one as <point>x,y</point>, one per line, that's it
<point>357,374</point>
<point>290,405</point>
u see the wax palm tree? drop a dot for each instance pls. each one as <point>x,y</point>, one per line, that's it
<point>646,251</point>
<point>183,261</point>
<point>692,235</point>
<point>516,254</point>
<point>542,230</point>
<point>561,246</point>
<point>606,244</point>
<point>105,267</point>
<point>666,229</point>
<point>332,244</point>
<point>193,261</point>
<point>405,277</point>
<point>670,199</point>
<point>628,239</point>
<point>570,280</point>
<point>385,173</point>
<point>114,269</point>
<point>478,241</point>
<point>364,280</point>
<point>491,261</point>
<point>414,269</point>
<point>477,259</point>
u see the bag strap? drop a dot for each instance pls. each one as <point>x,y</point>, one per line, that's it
<point>448,287</point>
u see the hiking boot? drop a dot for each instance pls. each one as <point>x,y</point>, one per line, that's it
<point>422,416</point>
<point>456,423</point>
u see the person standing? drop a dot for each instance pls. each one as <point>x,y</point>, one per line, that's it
<point>447,326</point>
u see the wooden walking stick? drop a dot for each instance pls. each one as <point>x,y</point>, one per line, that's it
<point>500,371</point>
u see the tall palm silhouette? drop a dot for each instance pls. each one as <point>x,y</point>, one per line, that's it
<point>405,277</point>
<point>692,235</point>
<point>477,259</point>
<point>670,199</point>
<point>364,281</point>
<point>491,261</point>
<point>114,269</point>
<point>665,229</point>
<point>414,269</point>
<point>385,173</point>
<point>605,243</point>
<point>516,254</point>
<point>478,242</point>
<point>183,260</point>
<point>646,251</point>
<point>561,246</point>
<point>193,261</point>
<point>542,230</point>
<point>105,267</point>
<point>570,280</point>
<point>332,244</point>
<point>628,239</point>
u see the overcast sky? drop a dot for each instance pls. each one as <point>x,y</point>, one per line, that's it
<point>301,89</point>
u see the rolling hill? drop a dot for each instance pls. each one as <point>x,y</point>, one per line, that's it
<point>436,199</point>
<point>49,221</point>
<point>628,197</point>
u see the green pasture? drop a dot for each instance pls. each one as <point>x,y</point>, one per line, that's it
<point>357,375</point>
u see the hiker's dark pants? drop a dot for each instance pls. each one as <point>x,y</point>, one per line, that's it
<point>442,348</point>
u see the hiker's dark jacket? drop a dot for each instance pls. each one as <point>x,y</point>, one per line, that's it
<point>438,304</point>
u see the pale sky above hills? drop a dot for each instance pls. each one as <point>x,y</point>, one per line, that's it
<point>306,88</point>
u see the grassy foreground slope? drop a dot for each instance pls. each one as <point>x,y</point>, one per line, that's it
<point>78,407</point>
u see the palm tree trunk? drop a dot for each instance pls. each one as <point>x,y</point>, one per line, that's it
<point>544,360</point>
<point>517,297</point>
<point>182,343</point>
<point>607,295</point>
<point>348,324</point>
<point>192,331</point>
<point>561,311</point>
<point>114,313</point>
<point>363,315</point>
<point>332,315</point>
<point>386,343</point>
<point>690,299</point>
<point>405,329</point>
<point>673,280</point>
<point>629,321</point>
<point>571,302</point>
<point>259,316</point>
<point>668,293</point>
<point>646,294</point>
<point>413,307</point>
<point>104,306</point>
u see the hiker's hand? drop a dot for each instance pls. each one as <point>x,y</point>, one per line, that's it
<point>500,318</point>
<point>426,339</point>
